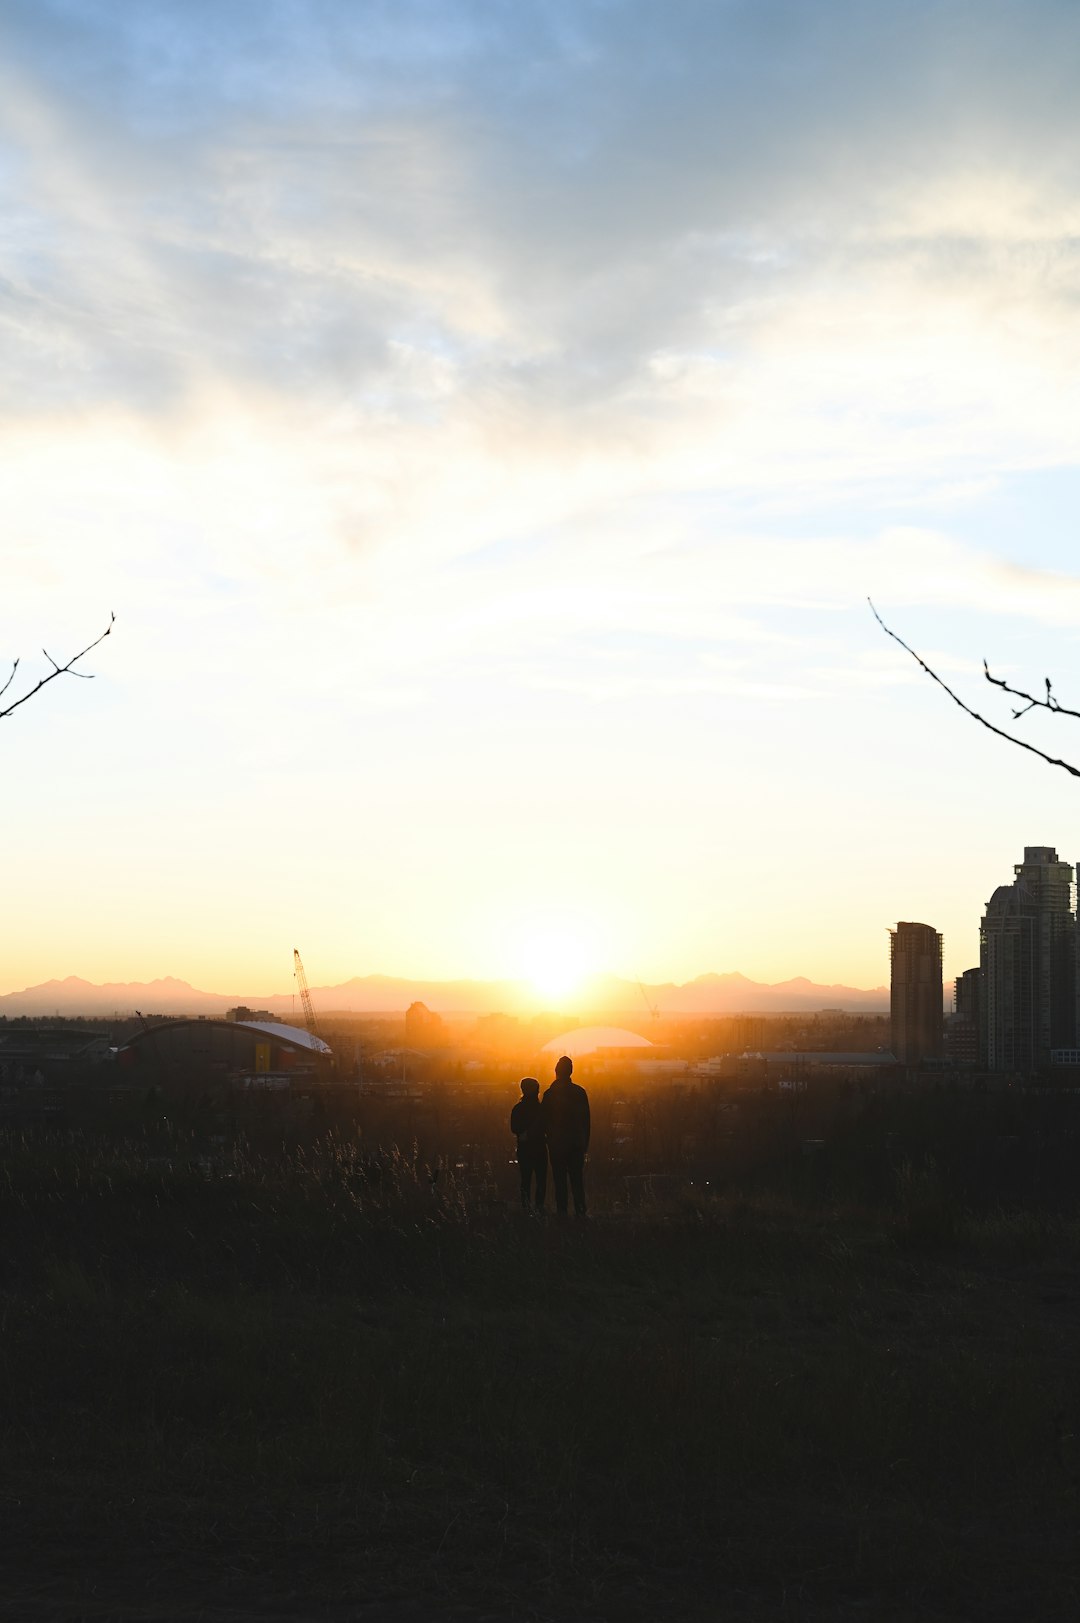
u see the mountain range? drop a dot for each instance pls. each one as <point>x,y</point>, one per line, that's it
<point>386,994</point>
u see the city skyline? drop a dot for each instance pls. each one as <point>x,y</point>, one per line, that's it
<point>1017,1011</point>
<point>488,425</point>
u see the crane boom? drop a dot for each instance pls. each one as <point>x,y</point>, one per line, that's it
<point>305,996</point>
<point>649,1004</point>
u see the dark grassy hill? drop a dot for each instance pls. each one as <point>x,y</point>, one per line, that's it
<point>292,1388</point>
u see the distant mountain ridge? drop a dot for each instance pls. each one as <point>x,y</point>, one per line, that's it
<point>730,993</point>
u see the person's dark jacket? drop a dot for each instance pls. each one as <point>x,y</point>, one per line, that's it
<point>565,1108</point>
<point>527,1121</point>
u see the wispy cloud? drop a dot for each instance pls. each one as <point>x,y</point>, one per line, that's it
<point>567,288</point>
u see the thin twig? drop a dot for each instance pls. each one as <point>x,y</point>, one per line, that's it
<point>1049,703</point>
<point>57,670</point>
<point>1021,743</point>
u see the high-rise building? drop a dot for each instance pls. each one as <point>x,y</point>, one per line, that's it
<point>915,1000</point>
<point>967,994</point>
<point>963,1025</point>
<point>1027,955</point>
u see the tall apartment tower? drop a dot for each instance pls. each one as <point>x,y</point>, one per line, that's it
<point>962,1027</point>
<point>1027,954</point>
<point>915,1000</point>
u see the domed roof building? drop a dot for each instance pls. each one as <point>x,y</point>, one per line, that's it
<point>615,1049</point>
<point>585,1040</point>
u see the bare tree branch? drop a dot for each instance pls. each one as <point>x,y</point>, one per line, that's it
<point>57,670</point>
<point>974,714</point>
<point>1049,703</point>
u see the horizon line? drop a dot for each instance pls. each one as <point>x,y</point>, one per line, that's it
<point>516,982</point>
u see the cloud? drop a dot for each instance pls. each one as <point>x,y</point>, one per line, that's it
<point>549,198</point>
<point>317,307</point>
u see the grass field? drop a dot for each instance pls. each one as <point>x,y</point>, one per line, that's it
<point>285,1390</point>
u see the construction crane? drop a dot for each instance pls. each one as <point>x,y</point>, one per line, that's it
<point>649,1004</point>
<point>305,996</point>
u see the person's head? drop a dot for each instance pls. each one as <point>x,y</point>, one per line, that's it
<point>530,1087</point>
<point>564,1068</point>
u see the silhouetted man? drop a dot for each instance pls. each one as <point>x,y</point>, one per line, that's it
<point>565,1109</point>
<point>526,1120</point>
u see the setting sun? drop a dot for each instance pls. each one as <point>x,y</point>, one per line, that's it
<point>555,957</point>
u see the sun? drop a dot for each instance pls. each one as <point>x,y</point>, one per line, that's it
<point>555,959</point>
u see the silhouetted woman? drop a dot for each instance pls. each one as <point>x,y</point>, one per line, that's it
<point>526,1120</point>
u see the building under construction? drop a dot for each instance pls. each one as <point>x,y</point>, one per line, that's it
<point>915,1001</point>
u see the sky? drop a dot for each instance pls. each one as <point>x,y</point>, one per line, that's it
<point>487,422</point>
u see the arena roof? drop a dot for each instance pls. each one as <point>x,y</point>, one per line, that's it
<point>588,1039</point>
<point>286,1034</point>
<point>294,1036</point>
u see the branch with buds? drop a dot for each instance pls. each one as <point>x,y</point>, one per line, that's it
<point>67,669</point>
<point>1032,703</point>
<point>1049,703</point>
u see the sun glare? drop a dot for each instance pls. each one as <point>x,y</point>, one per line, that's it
<point>555,960</point>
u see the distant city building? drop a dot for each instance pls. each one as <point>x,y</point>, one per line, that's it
<point>1027,958</point>
<point>423,1029</point>
<point>915,1000</point>
<point>962,1027</point>
<point>967,998</point>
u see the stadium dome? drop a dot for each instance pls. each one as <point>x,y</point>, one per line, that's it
<point>589,1039</point>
